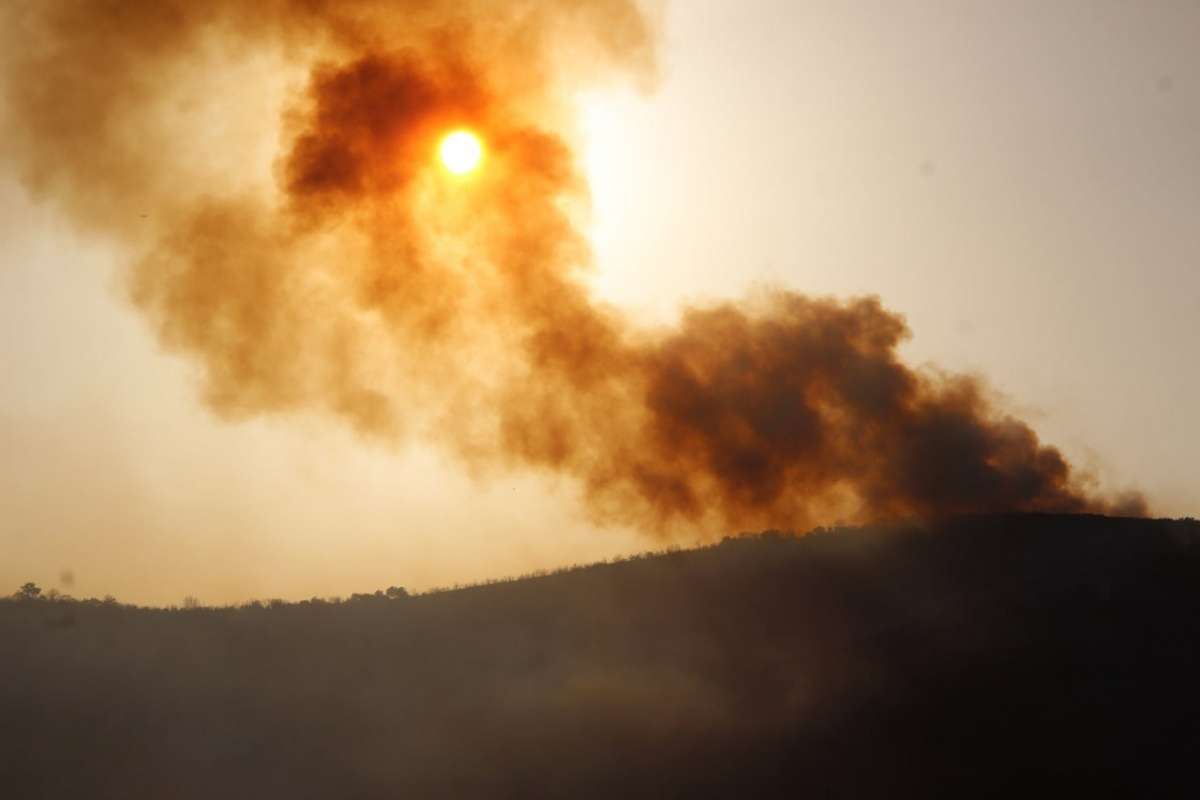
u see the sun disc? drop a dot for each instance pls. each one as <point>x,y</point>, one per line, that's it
<point>461,151</point>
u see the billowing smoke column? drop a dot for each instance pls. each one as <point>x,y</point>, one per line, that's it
<point>346,272</point>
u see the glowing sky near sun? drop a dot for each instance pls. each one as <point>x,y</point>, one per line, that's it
<point>1032,218</point>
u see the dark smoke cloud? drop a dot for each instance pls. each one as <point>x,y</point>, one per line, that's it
<point>363,281</point>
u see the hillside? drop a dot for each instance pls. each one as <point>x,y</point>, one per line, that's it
<point>979,656</point>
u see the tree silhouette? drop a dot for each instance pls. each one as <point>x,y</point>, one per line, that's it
<point>30,591</point>
<point>973,656</point>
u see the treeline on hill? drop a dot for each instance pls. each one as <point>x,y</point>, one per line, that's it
<point>978,656</point>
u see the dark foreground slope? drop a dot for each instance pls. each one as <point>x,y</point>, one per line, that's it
<point>972,658</point>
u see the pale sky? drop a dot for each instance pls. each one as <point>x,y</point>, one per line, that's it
<point>1021,180</point>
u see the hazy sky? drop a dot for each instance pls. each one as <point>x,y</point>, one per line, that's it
<point>1021,180</point>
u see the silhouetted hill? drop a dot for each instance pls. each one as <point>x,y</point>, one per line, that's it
<point>978,657</point>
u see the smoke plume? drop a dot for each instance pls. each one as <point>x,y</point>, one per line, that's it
<point>272,168</point>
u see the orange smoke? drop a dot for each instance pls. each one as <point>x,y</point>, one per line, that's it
<point>361,280</point>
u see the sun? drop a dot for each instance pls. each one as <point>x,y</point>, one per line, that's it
<point>461,151</point>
